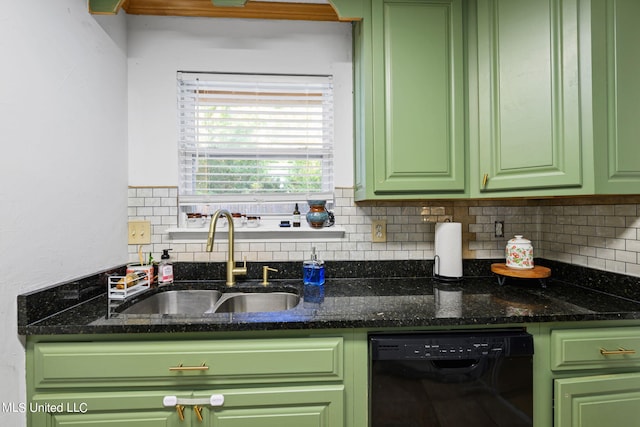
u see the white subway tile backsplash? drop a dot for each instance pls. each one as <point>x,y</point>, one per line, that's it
<point>135,201</point>
<point>598,235</point>
<point>625,210</point>
<point>633,269</point>
<point>596,242</point>
<point>144,192</point>
<point>577,259</point>
<point>160,192</point>
<point>571,210</point>
<point>632,222</point>
<point>633,245</point>
<point>603,253</point>
<point>625,256</point>
<point>152,201</point>
<point>615,266</point>
<point>161,211</point>
<point>618,244</point>
<point>614,221</point>
<point>605,210</point>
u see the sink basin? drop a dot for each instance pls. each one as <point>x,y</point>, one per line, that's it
<point>198,302</point>
<point>176,302</point>
<point>256,302</point>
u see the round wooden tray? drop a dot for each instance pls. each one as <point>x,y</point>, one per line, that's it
<point>537,272</point>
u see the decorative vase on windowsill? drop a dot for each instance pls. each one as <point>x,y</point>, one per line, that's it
<point>317,215</point>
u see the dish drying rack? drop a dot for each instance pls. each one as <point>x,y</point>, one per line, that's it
<point>118,291</point>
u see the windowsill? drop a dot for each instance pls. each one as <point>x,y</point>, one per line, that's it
<point>262,233</point>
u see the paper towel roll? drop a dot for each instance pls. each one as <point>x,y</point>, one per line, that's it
<point>448,250</point>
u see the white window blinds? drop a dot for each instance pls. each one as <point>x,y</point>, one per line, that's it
<point>247,137</point>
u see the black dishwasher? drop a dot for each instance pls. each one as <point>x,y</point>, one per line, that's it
<point>451,379</point>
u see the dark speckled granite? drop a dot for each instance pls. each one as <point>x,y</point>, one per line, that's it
<point>39,304</point>
<point>336,269</point>
<point>293,270</point>
<point>614,283</point>
<point>385,294</point>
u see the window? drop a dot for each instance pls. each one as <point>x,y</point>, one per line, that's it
<point>254,139</point>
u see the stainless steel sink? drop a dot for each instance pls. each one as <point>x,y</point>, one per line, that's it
<point>199,302</point>
<point>176,302</point>
<point>256,302</point>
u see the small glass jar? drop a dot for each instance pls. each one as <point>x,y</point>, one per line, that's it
<point>238,219</point>
<point>253,221</point>
<point>519,253</point>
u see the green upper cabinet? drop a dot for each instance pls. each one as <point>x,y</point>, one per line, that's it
<point>410,100</point>
<point>527,133</point>
<point>616,94</point>
<point>496,98</point>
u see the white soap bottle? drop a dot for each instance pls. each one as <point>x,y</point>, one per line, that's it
<point>165,269</point>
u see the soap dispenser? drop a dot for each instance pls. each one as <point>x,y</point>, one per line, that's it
<point>313,270</point>
<point>165,269</point>
<point>313,277</point>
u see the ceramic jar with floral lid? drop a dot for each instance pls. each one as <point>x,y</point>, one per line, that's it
<point>519,253</point>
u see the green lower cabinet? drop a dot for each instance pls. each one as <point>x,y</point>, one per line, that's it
<point>596,374</point>
<point>107,409</point>
<point>597,401</point>
<point>294,406</point>
<point>266,382</point>
<point>527,131</point>
<point>314,406</point>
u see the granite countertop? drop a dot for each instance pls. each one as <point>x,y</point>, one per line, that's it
<point>417,300</point>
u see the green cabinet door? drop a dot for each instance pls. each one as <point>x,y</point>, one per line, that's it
<point>529,133</point>
<point>410,100</point>
<point>308,406</point>
<point>597,401</point>
<point>616,93</point>
<point>104,409</point>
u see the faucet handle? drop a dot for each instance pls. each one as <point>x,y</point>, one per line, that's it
<point>265,274</point>
<point>240,270</point>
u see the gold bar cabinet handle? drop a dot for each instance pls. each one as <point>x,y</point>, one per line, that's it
<point>198,412</point>
<point>485,178</point>
<point>605,352</point>
<point>180,410</point>
<point>180,367</point>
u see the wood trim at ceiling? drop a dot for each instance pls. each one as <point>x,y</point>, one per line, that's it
<point>253,9</point>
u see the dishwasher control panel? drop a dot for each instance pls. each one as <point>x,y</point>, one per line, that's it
<point>451,345</point>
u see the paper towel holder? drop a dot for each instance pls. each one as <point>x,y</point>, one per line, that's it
<point>436,263</point>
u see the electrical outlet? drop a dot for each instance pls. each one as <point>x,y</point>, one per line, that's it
<point>499,229</point>
<point>139,232</point>
<point>379,231</point>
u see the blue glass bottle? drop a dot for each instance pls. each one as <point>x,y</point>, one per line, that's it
<point>313,278</point>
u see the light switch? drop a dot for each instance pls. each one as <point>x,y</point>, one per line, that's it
<point>379,231</point>
<point>139,232</point>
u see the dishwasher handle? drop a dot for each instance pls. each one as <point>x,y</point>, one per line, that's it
<point>442,371</point>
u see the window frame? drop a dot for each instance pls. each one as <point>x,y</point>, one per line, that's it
<point>187,198</point>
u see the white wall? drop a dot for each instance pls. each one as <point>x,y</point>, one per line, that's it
<point>63,167</point>
<point>160,46</point>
